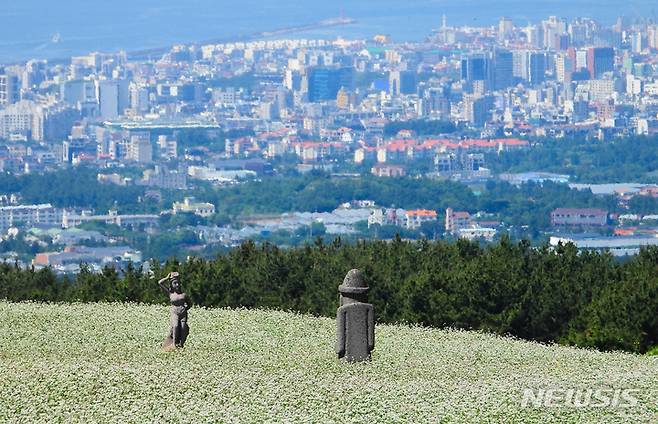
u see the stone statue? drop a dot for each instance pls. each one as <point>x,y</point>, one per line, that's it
<point>180,304</point>
<point>355,320</point>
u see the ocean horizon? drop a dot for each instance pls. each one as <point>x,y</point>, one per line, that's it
<point>42,29</point>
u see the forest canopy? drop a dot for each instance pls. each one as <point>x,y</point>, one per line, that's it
<point>546,294</point>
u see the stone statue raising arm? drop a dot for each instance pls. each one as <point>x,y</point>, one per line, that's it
<point>162,282</point>
<point>180,303</point>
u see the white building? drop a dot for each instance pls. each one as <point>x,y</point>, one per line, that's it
<point>70,220</point>
<point>52,121</point>
<point>211,174</point>
<point>563,66</point>
<point>190,205</point>
<point>140,149</point>
<point>414,219</point>
<point>651,89</point>
<point>139,98</point>
<point>17,119</point>
<point>164,178</point>
<point>9,88</point>
<point>113,97</point>
<point>168,147</point>
<point>28,215</point>
<point>633,85</point>
<point>475,233</point>
<point>600,89</point>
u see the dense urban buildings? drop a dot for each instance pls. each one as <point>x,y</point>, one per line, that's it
<point>209,116</point>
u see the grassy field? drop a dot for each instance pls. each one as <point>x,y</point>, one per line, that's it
<point>103,363</point>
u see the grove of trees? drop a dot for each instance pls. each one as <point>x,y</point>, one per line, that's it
<point>546,294</point>
<point>631,159</point>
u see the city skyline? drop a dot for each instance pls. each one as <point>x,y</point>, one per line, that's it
<point>185,124</point>
<point>73,29</point>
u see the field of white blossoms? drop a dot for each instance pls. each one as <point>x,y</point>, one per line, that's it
<point>103,363</point>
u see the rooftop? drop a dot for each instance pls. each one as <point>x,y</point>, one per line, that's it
<point>422,212</point>
<point>577,211</point>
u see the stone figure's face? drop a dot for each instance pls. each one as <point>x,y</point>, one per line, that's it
<point>348,299</point>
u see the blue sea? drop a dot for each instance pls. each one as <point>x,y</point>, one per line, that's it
<point>50,29</point>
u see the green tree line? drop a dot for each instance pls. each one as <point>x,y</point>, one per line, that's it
<point>77,187</point>
<point>529,204</point>
<point>546,294</point>
<point>631,159</point>
<point>525,209</point>
<point>422,127</point>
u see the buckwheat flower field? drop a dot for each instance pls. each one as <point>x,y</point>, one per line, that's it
<point>103,363</point>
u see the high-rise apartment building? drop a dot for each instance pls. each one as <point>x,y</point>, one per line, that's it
<point>324,82</point>
<point>402,82</point>
<point>113,97</point>
<point>475,68</point>
<point>108,99</point>
<point>9,88</point>
<point>139,148</point>
<point>505,28</point>
<point>652,36</point>
<point>476,109</point>
<point>77,92</point>
<point>439,102</point>
<point>537,68</point>
<point>503,69</point>
<point>600,60</point>
<point>520,64</point>
<point>563,67</point>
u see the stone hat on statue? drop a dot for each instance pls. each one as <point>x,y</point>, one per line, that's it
<point>353,283</point>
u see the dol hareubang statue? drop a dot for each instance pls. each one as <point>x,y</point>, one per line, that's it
<point>180,304</point>
<point>355,320</point>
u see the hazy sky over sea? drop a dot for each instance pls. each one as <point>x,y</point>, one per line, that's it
<point>29,26</point>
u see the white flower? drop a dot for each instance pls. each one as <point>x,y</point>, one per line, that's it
<point>103,363</point>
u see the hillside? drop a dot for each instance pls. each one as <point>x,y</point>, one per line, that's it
<point>102,362</point>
